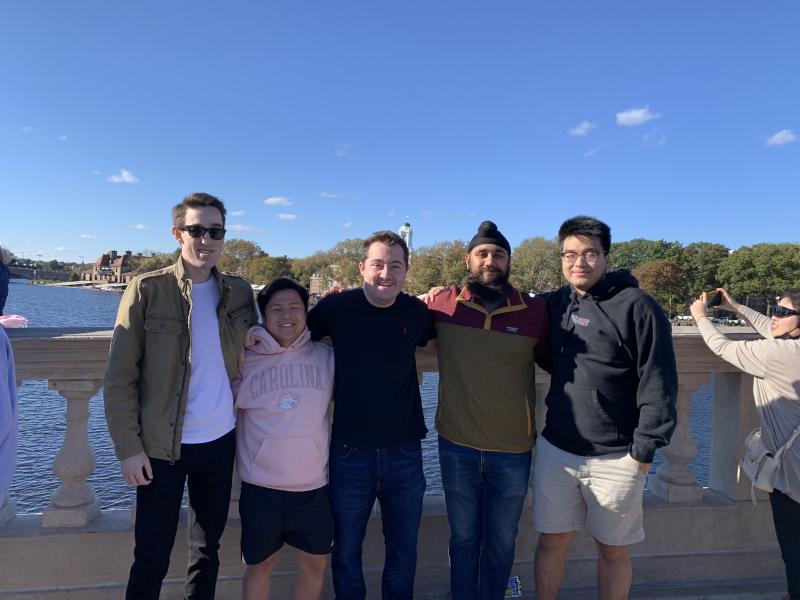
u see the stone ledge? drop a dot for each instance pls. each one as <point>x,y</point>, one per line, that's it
<point>714,540</point>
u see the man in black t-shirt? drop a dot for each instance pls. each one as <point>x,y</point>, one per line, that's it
<point>377,419</point>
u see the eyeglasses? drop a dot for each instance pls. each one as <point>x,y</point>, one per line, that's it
<point>781,311</point>
<point>590,256</point>
<point>198,231</point>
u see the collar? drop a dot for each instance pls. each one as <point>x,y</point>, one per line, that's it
<point>513,301</point>
<point>186,283</point>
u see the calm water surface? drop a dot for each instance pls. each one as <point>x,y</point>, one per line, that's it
<point>42,411</point>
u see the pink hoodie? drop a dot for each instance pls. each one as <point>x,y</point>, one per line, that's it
<point>282,397</point>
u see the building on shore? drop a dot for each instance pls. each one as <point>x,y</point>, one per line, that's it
<point>111,268</point>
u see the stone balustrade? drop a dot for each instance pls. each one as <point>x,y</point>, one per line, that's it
<point>73,362</point>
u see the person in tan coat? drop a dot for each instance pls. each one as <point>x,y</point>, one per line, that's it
<point>774,363</point>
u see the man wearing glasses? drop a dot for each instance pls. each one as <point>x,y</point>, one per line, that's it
<point>611,404</point>
<point>168,400</point>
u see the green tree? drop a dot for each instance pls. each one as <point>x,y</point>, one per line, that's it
<point>664,281</point>
<point>262,269</point>
<point>700,262</point>
<point>767,269</point>
<point>441,263</point>
<point>304,268</point>
<point>235,253</point>
<point>156,260</point>
<point>631,254</point>
<point>536,265</point>
<point>345,257</point>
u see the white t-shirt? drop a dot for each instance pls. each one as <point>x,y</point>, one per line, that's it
<point>209,407</point>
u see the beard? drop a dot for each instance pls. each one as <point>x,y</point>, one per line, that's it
<point>493,278</point>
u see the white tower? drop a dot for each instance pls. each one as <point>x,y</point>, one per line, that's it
<point>406,232</point>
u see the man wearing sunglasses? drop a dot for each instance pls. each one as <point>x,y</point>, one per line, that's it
<point>168,400</point>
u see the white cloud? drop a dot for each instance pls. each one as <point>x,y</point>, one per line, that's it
<point>61,138</point>
<point>426,214</point>
<point>236,213</point>
<point>582,128</point>
<point>60,249</point>
<point>654,138</point>
<point>593,151</point>
<point>286,216</point>
<point>391,213</point>
<point>345,150</point>
<point>124,176</point>
<point>96,173</point>
<point>278,201</point>
<point>347,225</point>
<point>140,226</point>
<point>27,129</point>
<point>328,195</point>
<point>784,136</point>
<point>636,116</point>
<point>238,227</point>
<point>88,236</point>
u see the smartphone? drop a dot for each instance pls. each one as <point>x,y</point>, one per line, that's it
<point>714,299</point>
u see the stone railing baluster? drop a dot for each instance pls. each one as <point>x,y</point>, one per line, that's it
<point>734,416</point>
<point>74,503</point>
<point>73,361</point>
<point>674,481</point>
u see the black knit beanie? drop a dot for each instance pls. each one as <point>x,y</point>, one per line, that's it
<point>488,234</point>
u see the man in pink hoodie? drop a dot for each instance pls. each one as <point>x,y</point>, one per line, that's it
<point>282,444</point>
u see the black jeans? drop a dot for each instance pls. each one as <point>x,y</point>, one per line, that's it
<point>208,468</point>
<point>786,516</point>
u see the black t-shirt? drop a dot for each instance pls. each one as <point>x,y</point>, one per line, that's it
<point>376,397</point>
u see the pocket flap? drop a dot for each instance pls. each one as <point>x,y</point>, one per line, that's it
<point>241,317</point>
<point>163,325</point>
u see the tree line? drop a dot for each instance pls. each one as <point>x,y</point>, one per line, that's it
<point>671,272</point>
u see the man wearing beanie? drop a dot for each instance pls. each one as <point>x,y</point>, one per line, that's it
<point>487,333</point>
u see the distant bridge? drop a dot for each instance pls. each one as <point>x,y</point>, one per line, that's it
<point>23,273</point>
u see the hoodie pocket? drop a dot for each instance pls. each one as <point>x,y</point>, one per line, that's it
<point>289,462</point>
<point>589,414</point>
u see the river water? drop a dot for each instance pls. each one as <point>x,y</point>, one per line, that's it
<point>42,423</point>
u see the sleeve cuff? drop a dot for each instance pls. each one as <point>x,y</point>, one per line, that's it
<point>128,449</point>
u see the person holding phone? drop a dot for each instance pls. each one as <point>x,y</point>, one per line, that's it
<point>774,363</point>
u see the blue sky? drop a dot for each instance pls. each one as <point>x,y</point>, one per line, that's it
<point>677,120</point>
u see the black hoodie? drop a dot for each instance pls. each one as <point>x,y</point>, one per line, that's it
<point>614,382</point>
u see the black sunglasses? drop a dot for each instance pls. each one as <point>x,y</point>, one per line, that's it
<point>198,231</point>
<point>781,311</point>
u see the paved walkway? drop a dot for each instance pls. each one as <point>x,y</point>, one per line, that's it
<point>767,589</point>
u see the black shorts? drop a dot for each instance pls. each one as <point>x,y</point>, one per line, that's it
<point>271,517</point>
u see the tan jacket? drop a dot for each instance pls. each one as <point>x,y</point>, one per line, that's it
<point>775,367</point>
<point>147,379</point>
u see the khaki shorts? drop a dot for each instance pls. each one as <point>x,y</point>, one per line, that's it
<point>606,490</point>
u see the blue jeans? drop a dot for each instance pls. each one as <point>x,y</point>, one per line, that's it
<point>393,476</point>
<point>484,493</point>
